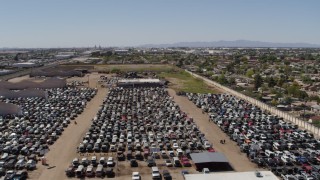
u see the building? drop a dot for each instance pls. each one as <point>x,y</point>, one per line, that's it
<point>25,65</point>
<point>251,175</point>
<point>5,71</point>
<point>140,83</point>
<point>214,161</point>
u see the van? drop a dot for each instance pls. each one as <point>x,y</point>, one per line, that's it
<point>176,162</point>
<point>99,171</point>
<point>155,173</point>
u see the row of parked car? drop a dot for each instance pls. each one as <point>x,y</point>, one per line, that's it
<point>268,140</point>
<point>25,138</point>
<point>144,124</point>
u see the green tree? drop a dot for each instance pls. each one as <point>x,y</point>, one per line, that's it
<point>222,79</point>
<point>249,73</point>
<point>271,82</point>
<point>258,81</point>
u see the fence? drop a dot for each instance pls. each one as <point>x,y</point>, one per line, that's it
<point>285,116</point>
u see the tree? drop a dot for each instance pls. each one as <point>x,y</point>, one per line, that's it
<point>232,81</point>
<point>249,73</point>
<point>271,82</point>
<point>222,79</point>
<point>257,81</point>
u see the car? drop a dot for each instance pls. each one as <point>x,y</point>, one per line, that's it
<point>90,171</point>
<point>136,176</point>
<point>110,162</point>
<point>85,162</point>
<point>20,164</point>
<point>166,175</point>
<point>175,146</point>
<point>21,175</point>
<point>2,172</point>
<point>151,162</point>
<point>100,171</point>
<point>168,163</point>
<point>70,171</point>
<point>109,172</point>
<point>205,171</point>
<point>75,162</point>
<point>31,164</point>
<point>164,155</point>
<point>94,162</point>
<point>9,175</point>
<point>155,173</point>
<point>186,163</point>
<point>133,163</point>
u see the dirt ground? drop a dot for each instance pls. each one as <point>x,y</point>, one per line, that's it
<point>238,160</point>
<point>19,79</point>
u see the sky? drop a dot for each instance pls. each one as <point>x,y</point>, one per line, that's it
<point>85,23</point>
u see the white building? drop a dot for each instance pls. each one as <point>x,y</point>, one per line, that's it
<point>251,175</point>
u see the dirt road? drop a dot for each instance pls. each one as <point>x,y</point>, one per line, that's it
<point>238,160</point>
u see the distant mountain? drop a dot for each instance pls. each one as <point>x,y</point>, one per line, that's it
<point>237,43</point>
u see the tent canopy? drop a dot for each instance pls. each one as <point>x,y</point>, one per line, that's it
<point>207,157</point>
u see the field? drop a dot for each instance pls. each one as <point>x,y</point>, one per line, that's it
<point>126,67</point>
<point>178,78</point>
<point>183,81</point>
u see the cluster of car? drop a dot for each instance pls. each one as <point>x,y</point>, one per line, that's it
<point>268,140</point>
<point>92,167</point>
<point>144,124</point>
<point>26,137</point>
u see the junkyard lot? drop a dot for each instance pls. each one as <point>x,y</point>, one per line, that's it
<point>64,150</point>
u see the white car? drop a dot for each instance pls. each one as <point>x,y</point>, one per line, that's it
<point>168,163</point>
<point>110,162</point>
<point>135,176</point>
<point>175,146</point>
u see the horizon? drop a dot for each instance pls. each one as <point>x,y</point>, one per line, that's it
<point>123,23</point>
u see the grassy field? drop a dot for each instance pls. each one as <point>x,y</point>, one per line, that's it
<point>137,67</point>
<point>179,79</point>
<point>183,81</point>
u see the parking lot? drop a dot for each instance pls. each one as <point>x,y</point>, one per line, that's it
<point>266,140</point>
<point>142,124</point>
<point>28,137</point>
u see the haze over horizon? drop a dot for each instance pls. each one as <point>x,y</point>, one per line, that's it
<point>81,23</point>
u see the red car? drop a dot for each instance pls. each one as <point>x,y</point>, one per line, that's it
<point>186,163</point>
<point>211,150</point>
